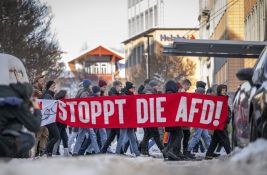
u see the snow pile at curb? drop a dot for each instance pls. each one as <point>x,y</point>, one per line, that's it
<point>254,152</point>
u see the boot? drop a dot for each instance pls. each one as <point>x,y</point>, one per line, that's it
<point>66,152</point>
<point>171,154</point>
<point>164,151</point>
<point>144,150</point>
<point>183,157</point>
<point>188,154</point>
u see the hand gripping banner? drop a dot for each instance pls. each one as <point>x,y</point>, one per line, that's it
<point>151,110</point>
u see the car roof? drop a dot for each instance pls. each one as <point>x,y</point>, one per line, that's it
<point>12,70</point>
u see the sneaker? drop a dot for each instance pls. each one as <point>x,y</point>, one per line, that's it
<point>88,153</point>
<point>216,155</point>
<point>208,157</point>
<point>49,154</point>
<point>75,155</point>
<point>145,153</point>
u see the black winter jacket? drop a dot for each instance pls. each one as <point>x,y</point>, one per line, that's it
<point>15,117</point>
<point>171,87</point>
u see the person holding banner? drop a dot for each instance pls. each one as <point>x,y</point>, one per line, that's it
<point>173,150</point>
<point>128,133</point>
<point>54,135</point>
<point>62,129</point>
<point>101,134</point>
<point>185,86</point>
<point>86,93</point>
<point>114,91</point>
<point>220,136</point>
<point>151,132</point>
<point>75,130</point>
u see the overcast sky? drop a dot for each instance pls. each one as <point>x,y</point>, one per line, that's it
<point>96,22</point>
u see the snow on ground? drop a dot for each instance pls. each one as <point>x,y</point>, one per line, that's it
<point>250,160</point>
<point>255,154</point>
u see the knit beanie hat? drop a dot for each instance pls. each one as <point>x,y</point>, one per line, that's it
<point>129,85</point>
<point>96,89</point>
<point>201,84</point>
<point>86,83</point>
<point>102,83</point>
<point>153,83</point>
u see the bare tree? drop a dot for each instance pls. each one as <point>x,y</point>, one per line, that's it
<point>163,67</point>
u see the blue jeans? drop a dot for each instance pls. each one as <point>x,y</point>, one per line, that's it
<point>103,135</point>
<point>196,137</point>
<point>103,138</point>
<point>125,135</point>
<point>81,135</point>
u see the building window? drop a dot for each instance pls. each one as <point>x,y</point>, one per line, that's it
<point>156,15</point>
<point>137,24</point>
<point>129,27</point>
<point>146,20</point>
<point>150,18</point>
<point>142,22</point>
<point>104,68</point>
<point>133,26</point>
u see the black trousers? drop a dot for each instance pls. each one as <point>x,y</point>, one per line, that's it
<point>63,135</point>
<point>54,136</point>
<point>176,136</point>
<point>186,138</point>
<point>148,134</point>
<point>113,133</point>
<point>219,137</point>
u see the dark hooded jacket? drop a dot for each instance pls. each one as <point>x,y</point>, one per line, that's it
<point>219,93</point>
<point>140,89</point>
<point>171,87</point>
<point>13,118</point>
<point>114,92</point>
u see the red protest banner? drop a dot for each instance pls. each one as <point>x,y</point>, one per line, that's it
<point>153,110</point>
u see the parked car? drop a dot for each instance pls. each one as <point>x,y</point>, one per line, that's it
<point>12,70</point>
<point>250,104</point>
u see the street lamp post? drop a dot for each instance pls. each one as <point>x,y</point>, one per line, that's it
<point>148,55</point>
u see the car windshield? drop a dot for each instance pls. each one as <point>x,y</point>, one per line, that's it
<point>259,65</point>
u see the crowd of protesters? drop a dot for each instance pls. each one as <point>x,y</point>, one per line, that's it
<point>175,143</point>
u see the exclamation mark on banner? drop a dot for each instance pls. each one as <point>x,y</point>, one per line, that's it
<point>218,113</point>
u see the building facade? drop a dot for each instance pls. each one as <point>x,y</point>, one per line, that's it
<point>99,63</point>
<point>222,20</point>
<point>255,23</point>
<point>149,44</point>
<point>230,20</point>
<point>146,14</point>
